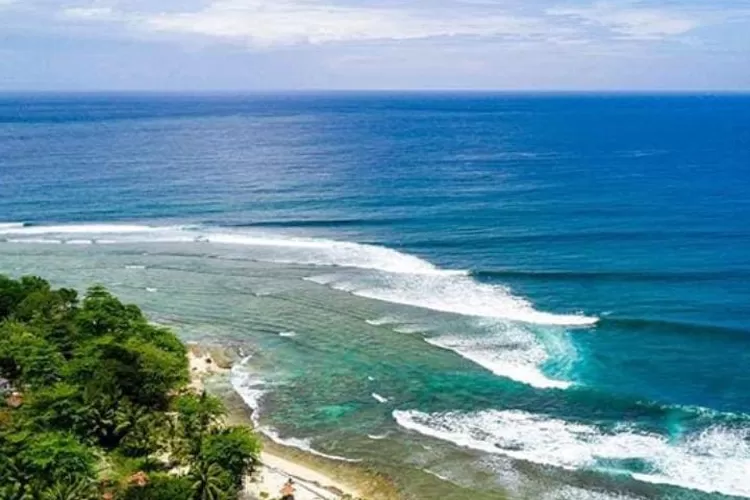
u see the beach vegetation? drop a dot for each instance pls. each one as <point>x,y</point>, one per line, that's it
<point>96,404</point>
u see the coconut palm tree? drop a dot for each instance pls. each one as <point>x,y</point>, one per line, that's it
<point>80,489</point>
<point>208,480</point>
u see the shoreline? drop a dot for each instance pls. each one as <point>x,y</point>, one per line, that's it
<point>315,477</point>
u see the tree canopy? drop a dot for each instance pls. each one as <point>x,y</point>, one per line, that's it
<point>96,402</point>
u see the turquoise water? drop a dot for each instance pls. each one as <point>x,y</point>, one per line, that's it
<point>542,296</point>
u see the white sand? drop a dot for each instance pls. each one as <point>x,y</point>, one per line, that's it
<point>309,484</point>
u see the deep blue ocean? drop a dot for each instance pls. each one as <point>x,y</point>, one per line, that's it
<point>498,290</point>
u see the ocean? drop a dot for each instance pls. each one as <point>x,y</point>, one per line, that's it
<point>539,297</point>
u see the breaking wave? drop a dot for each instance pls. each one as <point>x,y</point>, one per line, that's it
<point>398,277</point>
<point>714,460</point>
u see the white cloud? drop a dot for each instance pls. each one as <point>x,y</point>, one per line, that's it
<point>89,13</point>
<point>267,23</point>
<point>271,22</point>
<point>631,22</point>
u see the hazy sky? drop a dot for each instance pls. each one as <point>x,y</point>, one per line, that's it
<point>374,44</point>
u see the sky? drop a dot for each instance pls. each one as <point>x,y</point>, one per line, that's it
<point>246,45</point>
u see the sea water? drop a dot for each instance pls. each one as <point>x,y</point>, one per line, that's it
<point>538,296</point>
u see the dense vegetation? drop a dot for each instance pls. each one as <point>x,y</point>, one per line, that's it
<point>95,404</point>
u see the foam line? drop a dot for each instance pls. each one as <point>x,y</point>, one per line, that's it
<point>301,444</point>
<point>380,399</point>
<point>716,460</point>
<point>507,349</point>
<point>503,364</point>
<point>248,386</point>
<point>76,229</point>
<point>457,294</point>
<point>397,277</point>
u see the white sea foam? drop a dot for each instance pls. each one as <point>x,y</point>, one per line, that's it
<point>397,277</point>
<point>408,329</point>
<point>301,444</point>
<point>380,399</point>
<point>573,493</point>
<point>376,437</point>
<point>507,350</point>
<point>335,253</point>
<point>152,290</point>
<point>10,225</point>
<point>386,320</point>
<point>249,386</point>
<point>457,294</point>
<point>287,334</point>
<point>439,476</point>
<point>76,229</point>
<point>716,460</point>
<point>43,241</point>
<point>135,267</point>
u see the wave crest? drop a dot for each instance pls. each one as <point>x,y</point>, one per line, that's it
<point>396,277</point>
<point>715,460</point>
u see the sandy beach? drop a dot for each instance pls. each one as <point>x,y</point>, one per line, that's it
<point>275,471</point>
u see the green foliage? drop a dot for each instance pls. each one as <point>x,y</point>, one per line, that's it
<point>197,416</point>
<point>33,464</point>
<point>103,398</point>
<point>161,487</point>
<point>26,357</point>
<point>57,456</point>
<point>54,407</point>
<point>235,449</point>
<point>80,489</point>
<point>210,481</point>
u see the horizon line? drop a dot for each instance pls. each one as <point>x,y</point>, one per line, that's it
<point>219,92</point>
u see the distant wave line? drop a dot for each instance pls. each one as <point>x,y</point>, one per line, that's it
<point>461,241</point>
<point>672,326</point>
<point>618,276</point>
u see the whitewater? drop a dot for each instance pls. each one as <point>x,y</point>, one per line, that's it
<point>444,286</point>
<point>714,460</point>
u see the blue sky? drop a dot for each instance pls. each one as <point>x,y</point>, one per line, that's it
<point>374,44</point>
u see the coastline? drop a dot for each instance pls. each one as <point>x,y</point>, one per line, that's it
<point>315,477</point>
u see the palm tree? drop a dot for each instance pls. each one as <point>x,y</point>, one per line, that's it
<point>139,431</point>
<point>101,416</point>
<point>80,489</point>
<point>207,481</point>
<point>12,490</point>
<point>196,417</point>
<point>16,484</point>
